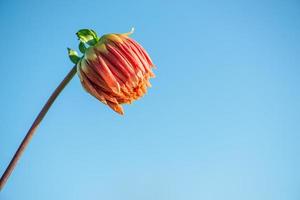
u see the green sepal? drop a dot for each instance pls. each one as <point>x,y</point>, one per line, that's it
<point>87,36</point>
<point>73,55</point>
<point>82,47</point>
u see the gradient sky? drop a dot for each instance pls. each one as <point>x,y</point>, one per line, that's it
<point>222,120</point>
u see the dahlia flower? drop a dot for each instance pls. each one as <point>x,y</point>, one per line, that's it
<point>114,68</point>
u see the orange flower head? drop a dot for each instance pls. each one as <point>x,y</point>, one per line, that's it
<point>114,68</point>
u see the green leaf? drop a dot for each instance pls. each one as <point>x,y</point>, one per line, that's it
<point>87,36</point>
<point>94,33</point>
<point>82,47</point>
<point>73,56</point>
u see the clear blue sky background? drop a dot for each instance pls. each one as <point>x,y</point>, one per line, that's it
<point>222,120</point>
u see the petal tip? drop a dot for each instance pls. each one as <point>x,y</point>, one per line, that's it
<point>130,32</point>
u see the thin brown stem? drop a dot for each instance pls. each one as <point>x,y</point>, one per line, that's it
<point>34,126</point>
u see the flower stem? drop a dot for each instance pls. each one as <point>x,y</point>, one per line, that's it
<point>34,126</point>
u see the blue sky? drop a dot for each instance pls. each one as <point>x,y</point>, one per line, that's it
<point>220,122</point>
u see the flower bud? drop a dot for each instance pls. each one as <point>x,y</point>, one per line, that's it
<point>114,68</point>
